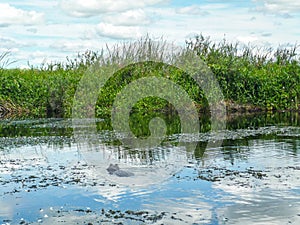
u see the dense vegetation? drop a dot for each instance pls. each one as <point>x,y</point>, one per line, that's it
<point>249,77</point>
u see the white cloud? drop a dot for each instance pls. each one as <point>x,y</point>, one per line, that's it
<point>87,8</point>
<point>118,32</point>
<point>9,43</point>
<point>12,16</point>
<point>128,18</point>
<point>192,10</point>
<point>233,25</point>
<point>247,39</point>
<point>35,3</point>
<point>281,7</point>
<point>32,30</point>
<point>75,45</point>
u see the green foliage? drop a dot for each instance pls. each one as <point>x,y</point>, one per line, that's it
<point>265,78</point>
<point>42,93</point>
<point>133,72</point>
<point>250,75</point>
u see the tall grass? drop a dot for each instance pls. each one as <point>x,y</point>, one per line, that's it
<point>263,78</point>
<point>5,59</point>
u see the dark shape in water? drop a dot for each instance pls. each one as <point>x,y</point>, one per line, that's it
<point>115,169</point>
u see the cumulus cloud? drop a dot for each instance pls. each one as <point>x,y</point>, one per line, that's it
<point>32,30</point>
<point>192,10</point>
<point>246,39</point>
<point>8,42</point>
<point>10,15</point>
<point>128,18</point>
<point>88,8</point>
<point>74,45</point>
<point>118,32</point>
<point>281,7</point>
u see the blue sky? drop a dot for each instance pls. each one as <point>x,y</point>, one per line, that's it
<point>38,31</point>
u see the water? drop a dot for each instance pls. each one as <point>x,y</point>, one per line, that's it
<point>49,177</point>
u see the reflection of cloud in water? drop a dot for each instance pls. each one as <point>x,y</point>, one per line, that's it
<point>262,207</point>
<point>110,193</point>
<point>149,166</point>
<point>42,154</point>
<point>7,206</point>
<point>270,199</point>
<point>183,211</point>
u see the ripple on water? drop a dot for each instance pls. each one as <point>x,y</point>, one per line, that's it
<point>254,177</point>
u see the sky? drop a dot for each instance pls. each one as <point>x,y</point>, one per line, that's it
<point>40,31</point>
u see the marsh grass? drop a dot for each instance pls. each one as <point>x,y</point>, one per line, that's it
<point>263,78</point>
<point>5,59</point>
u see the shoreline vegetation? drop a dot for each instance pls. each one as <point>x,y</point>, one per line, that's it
<point>252,79</point>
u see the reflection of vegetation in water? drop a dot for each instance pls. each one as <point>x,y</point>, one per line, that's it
<point>247,123</point>
<point>144,156</point>
<point>35,128</point>
<point>235,149</point>
<point>141,115</point>
<point>263,119</point>
<point>18,133</point>
<point>239,149</point>
<point>139,125</point>
<point>140,119</point>
<point>279,126</point>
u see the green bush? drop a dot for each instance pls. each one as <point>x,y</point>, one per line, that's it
<point>249,75</point>
<point>264,78</point>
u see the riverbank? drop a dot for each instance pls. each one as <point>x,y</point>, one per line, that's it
<point>251,79</point>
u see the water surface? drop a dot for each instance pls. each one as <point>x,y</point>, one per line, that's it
<point>48,177</point>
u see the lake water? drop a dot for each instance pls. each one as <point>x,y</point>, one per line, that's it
<point>250,176</point>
